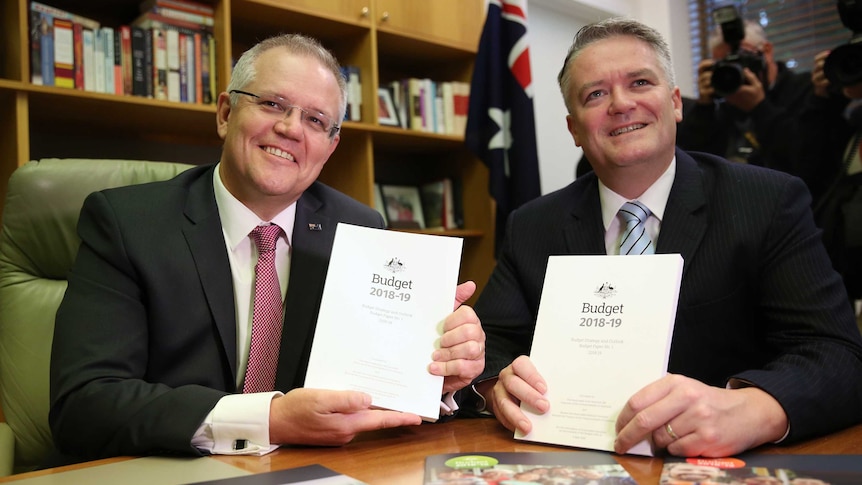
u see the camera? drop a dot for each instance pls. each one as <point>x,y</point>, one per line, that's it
<point>727,73</point>
<point>843,65</point>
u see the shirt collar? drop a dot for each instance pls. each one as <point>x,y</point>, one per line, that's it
<point>655,197</point>
<point>238,220</point>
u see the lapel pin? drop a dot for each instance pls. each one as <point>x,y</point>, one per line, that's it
<point>315,227</point>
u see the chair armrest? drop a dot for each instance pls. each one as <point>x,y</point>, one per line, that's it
<point>7,450</point>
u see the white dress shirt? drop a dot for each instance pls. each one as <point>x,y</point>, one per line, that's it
<point>239,423</point>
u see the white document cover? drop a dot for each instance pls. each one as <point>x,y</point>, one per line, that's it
<point>603,332</point>
<point>381,316</point>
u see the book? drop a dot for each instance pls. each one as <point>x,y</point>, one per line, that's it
<point>185,16</point>
<point>160,63</point>
<point>385,297</point>
<point>78,56</point>
<point>88,41</point>
<point>522,468</point>
<point>206,88</point>
<point>64,53</point>
<point>109,61</point>
<point>124,49</point>
<point>41,48</point>
<point>758,469</point>
<point>173,63</point>
<point>613,315</point>
<point>310,474</point>
<point>182,5</point>
<point>461,105</point>
<point>139,69</point>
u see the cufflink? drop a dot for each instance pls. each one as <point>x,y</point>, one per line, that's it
<point>240,445</point>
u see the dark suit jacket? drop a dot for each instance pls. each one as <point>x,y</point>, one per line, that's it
<point>759,299</point>
<point>145,339</point>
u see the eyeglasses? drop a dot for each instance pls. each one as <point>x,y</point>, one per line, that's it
<point>278,109</point>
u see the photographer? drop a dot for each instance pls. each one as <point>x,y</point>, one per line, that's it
<point>752,122</point>
<point>827,150</point>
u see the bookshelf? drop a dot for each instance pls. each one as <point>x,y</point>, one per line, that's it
<point>387,39</point>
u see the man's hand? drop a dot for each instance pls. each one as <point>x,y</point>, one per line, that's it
<point>818,76</point>
<point>328,418</point>
<point>705,91</point>
<point>703,420</point>
<point>519,382</point>
<point>461,356</point>
<point>750,94</point>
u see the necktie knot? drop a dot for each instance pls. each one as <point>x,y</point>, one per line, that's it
<point>265,237</point>
<point>635,239</point>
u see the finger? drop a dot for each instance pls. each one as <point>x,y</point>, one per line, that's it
<point>649,410</point>
<point>507,410</point>
<point>524,368</point>
<point>463,292</point>
<point>344,401</point>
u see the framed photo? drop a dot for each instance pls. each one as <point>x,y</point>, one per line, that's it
<point>388,114</point>
<point>403,206</point>
<point>379,206</point>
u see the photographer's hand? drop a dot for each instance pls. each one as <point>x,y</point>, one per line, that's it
<point>818,76</point>
<point>749,95</point>
<point>704,82</point>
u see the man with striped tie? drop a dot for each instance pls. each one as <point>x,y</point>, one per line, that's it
<point>764,349</point>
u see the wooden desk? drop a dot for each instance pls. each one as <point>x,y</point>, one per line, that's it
<point>397,456</point>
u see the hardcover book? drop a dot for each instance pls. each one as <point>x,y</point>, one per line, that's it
<point>613,315</point>
<point>522,468</point>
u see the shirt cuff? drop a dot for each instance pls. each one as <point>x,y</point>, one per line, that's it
<point>237,425</point>
<point>448,406</point>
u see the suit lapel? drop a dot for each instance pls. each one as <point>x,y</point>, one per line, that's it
<point>685,217</point>
<point>584,231</point>
<point>203,233</point>
<point>313,235</point>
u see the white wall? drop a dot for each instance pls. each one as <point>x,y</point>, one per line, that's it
<point>552,25</point>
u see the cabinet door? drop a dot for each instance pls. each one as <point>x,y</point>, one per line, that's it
<point>458,22</point>
<point>349,10</point>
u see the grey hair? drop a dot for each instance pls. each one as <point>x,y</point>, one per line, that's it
<point>245,71</point>
<point>605,29</point>
<point>754,34</point>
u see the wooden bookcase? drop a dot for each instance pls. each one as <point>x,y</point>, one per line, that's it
<point>387,39</point>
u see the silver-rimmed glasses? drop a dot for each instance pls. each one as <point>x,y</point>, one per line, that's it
<point>278,108</point>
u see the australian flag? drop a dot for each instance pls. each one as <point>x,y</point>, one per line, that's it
<point>500,125</point>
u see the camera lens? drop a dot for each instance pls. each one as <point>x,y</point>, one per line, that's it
<point>843,66</point>
<point>726,78</point>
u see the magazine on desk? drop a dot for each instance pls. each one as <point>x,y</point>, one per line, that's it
<point>525,468</point>
<point>753,469</point>
<point>305,475</point>
<point>384,301</point>
<point>603,332</point>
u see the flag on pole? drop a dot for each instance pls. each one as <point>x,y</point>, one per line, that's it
<point>500,125</point>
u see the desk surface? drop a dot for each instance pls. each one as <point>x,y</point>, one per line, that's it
<point>397,456</point>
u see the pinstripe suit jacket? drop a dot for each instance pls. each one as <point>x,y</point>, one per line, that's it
<point>145,338</point>
<point>759,299</point>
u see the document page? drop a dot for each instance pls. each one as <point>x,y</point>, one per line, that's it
<point>384,301</point>
<point>603,332</point>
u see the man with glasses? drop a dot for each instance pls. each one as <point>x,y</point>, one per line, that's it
<point>152,339</point>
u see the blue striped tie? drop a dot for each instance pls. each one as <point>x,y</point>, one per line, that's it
<point>635,240</point>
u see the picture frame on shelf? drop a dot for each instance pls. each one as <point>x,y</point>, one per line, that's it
<point>379,206</point>
<point>403,206</point>
<point>387,112</point>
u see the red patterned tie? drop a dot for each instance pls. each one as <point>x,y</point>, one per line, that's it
<point>267,317</point>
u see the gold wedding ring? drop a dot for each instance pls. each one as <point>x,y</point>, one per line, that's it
<point>670,432</point>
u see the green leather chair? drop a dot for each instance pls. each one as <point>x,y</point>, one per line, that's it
<point>38,243</point>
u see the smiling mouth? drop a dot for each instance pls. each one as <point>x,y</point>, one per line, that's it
<point>627,129</point>
<point>278,153</point>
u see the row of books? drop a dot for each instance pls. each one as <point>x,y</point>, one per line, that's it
<point>426,105</point>
<point>165,53</point>
<point>432,205</point>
